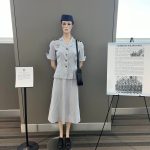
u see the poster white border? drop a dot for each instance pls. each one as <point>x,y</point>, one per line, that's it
<point>142,77</point>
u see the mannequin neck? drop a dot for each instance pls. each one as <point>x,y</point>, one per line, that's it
<point>67,37</point>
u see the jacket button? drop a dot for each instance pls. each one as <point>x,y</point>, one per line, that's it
<point>66,66</point>
<point>66,48</point>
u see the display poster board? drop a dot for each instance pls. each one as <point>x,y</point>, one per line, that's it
<point>128,69</point>
<point>24,77</point>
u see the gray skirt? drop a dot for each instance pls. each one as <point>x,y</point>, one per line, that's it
<point>64,106</point>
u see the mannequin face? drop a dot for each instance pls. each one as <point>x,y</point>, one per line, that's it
<point>66,26</point>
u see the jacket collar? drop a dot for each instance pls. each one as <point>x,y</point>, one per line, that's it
<point>72,41</point>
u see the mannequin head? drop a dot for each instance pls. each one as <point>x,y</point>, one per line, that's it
<point>67,23</point>
<point>66,27</point>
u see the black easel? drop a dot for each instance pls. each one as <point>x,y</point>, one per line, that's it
<point>115,110</point>
<point>131,40</point>
<point>144,103</point>
<point>28,145</point>
<point>100,135</point>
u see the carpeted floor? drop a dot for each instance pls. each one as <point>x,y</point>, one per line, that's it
<point>128,133</point>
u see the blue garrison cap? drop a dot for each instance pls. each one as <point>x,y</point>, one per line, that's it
<point>67,18</point>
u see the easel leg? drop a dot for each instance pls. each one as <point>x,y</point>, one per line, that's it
<point>28,145</point>
<point>146,108</point>
<point>100,135</point>
<point>115,109</point>
<point>26,123</point>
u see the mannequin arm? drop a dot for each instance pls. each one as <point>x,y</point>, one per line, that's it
<point>81,64</point>
<point>53,64</point>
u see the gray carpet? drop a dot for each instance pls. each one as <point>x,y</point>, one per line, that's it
<point>128,133</point>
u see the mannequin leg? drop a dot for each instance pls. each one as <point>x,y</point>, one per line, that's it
<point>67,139</point>
<point>68,125</point>
<point>60,143</point>
<point>60,125</point>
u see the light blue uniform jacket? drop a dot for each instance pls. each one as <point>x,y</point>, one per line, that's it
<point>66,57</point>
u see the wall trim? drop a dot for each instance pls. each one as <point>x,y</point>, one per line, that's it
<point>10,113</point>
<point>86,126</point>
<point>75,127</point>
<point>6,41</point>
<point>130,111</point>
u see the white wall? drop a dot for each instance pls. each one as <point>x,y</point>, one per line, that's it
<point>5,19</point>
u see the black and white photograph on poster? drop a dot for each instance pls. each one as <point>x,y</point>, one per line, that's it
<point>128,69</point>
<point>129,84</point>
<point>137,53</point>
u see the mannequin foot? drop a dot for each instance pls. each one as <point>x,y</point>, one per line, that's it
<point>68,143</point>
<point>60,144</point>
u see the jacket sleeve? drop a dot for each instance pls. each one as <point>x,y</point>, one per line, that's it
<point>51,54</point>
<point>82,57</point>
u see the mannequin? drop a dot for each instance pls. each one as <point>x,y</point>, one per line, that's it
<point>64,107</point>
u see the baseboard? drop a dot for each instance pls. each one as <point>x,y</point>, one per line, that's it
<point>85,126</point>
<point>130,111</point>
<point>75,127</point>
<point>10,113</point>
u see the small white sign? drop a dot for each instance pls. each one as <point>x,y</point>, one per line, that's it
<point>24,77</point>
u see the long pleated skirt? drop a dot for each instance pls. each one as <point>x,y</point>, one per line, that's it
<point>64,106</point>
